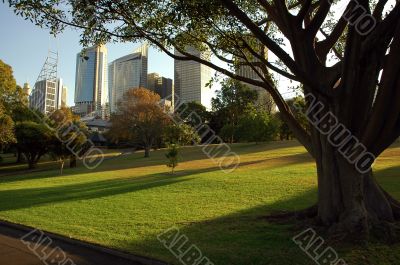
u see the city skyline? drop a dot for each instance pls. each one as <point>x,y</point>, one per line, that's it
<point>47,95</point>
<point>13,51</point>
<point>161,85</point>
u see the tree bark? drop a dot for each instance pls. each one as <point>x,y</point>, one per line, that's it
<point>350,203</point>
<point>32,162</point>
<point>20,157</point>
<point>147,151</point>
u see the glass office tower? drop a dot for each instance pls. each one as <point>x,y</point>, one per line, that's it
<point>125,73</point>
<point>191,78</point>
<point>91,81</point>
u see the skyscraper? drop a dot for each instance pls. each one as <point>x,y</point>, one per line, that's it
<point>127,72</point>
<point>47,90</point>
<point>91,81</point>
<point>161,85</point>
<point>191,78</point>
<point>152,80</point>
<point>264,98</point>
<point>47,95</point>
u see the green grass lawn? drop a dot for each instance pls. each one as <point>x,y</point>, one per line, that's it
<point>129,200</point>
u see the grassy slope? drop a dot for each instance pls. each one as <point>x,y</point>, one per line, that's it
<point>126,202</point>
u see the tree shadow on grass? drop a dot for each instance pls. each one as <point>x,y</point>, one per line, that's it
<point>26,198</point>
<point>114,165</point>
<point>135,160</point>
<point>240,238</point>
<point>246,237</point>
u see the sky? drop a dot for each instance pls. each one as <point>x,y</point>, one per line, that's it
<point>24,46</point>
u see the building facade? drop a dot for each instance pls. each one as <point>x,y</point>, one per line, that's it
<point>265,100</point>
<point>27,91</point>
<point>161,85</point>
<point>46,96</point>
<point>152,80</point>
<point>63,98</point>
<point>91,81</point>
<point>191,78</point>
<point>126,73</point>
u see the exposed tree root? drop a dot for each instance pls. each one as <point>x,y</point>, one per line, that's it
<point>307,213</point>
<point>350,229</point>
<point>394,204</point>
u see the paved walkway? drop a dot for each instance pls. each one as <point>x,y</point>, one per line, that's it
<point>13,251</point>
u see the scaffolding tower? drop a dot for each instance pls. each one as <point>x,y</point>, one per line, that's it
<point>44,96</point>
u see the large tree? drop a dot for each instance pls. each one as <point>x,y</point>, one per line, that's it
<point>11,95</point>
<point>185,112</point>
<point>230,103</point>
<point>70,137</point>
<point>360,85</point>
<point>256,126</point>
<point>6,129</point>
<point>12,98</point>
<point>139,118</point>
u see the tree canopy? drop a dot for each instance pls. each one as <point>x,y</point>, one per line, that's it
<point>6,128</point>
<point>256,126</point>
<point>234,99</point>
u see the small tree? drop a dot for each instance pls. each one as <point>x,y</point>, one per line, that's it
<point>21,113</point>
<point>256,126</point>
<point>228,133</point>
<point>33,139</point>
<point>182,134</point>
<point>172,156</point>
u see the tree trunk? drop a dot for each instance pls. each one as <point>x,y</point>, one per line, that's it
<point>32,164</point>
<point>147,151</point>
<point>62,162</point>
<point>20,157</point>
<point>350,203</point>
<point>72,162</point>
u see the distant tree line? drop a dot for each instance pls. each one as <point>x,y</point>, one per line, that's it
<point>30,134</point>
<point>236,116</point>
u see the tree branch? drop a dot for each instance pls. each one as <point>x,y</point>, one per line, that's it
<point>264,39</point>
<point>318,19</point>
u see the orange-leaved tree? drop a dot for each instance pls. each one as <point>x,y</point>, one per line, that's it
<point>139,118</point>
